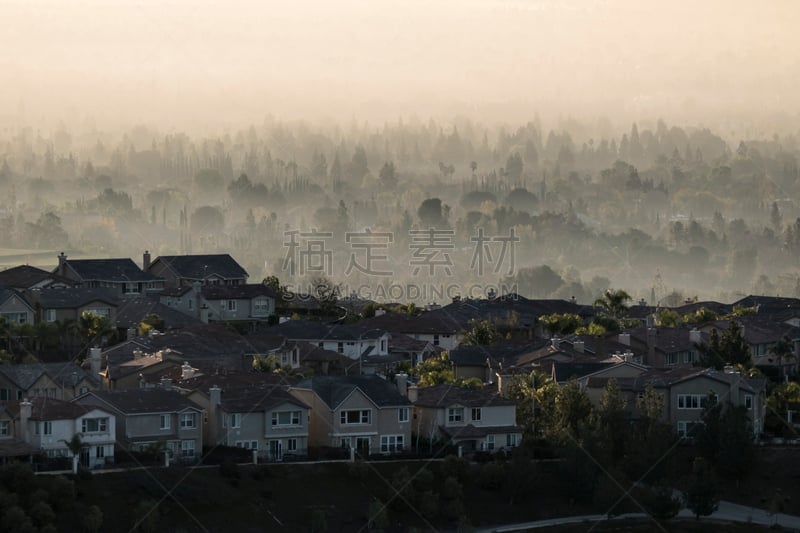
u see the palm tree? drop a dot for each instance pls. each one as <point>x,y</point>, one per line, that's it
<point>75,445</point>
<point>614,303</point>
<point>783,352</point>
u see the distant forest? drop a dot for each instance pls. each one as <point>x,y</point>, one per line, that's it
<point>665,212</point>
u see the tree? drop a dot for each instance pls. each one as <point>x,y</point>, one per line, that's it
<point>572,408</point>
<point>92,519</point>
<point>701,496</point>
<point>388,175</point>
<point>435,370</point>
<point>75,445</point>
<point>561,323</point>
<point>481,333</point>
<point>660,501</point>
<point>614,303</point>
<point>430,213</point>
<point>776,219</point>
<point>358,164</point>
<point>730,348</point>
<point>377,518</point>
<point>668,318</point>
<point>514,166</point>
<point>783,351</point>
<point>146,517</point>
<point>610,425</point>
<point>207,220</point>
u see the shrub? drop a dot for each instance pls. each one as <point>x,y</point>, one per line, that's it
<point>491,476</point>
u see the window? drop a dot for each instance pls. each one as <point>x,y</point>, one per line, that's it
<point>391,443</point>
<point>748,401</point>
<point>455,414</point>
<point>130,288</point>
<point>383,345</point>
<point>247,444</point>
<point>489,442</point>
<point>260,307</point>
<point>476,414</point>
<point>355,416</point>
<point>291,445</point>
<point>94,425</point>
<point>295,356</point>
<point>235,420</point>
<point>512,440</point>
<point>84,390</point>
<point>340,347</point>
<point>15,318</point>
<point>100,311</point>
<point>689,357</point>
<point>165,421</point>
<point>284,359</point>
<point>436,340</point>
<point>100,452</point>
<point>187,448</point>
<point>692,401</point>
<point>5,395</point>
<point>402,414</point>
<point>688,429</point>
<point>188,420</point>
<point>189,303</point>
<point>345,442</point>
<point>231,305</point>
<point>286,418</point>
<point>671,359</point>
<point>5,428</point>
<point>50,315</point>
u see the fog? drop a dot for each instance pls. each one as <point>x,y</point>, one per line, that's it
<point>213,65</point>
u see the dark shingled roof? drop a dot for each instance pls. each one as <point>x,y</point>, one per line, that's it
<point>26,276</point>
<point>333,390</point>
<point>74,297</point>
<point>131,313</point>
<point>315,330</point>
<point>52,409</point>
<point>446,395</point>
<point>566,371</point>
<point>119,270</point>
<point>662,378</point>
<point>138,401</point>
<point>204,265</point>
<point>257,399</point>
<point>7,294</point>
<point>64,374</point>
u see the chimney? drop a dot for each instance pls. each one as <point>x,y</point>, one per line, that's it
<point>25,409</point>
<point>413,393</point>
<point>95,360</point>
<point>146,260</point>
<point>695,337</point>
<point>214,401</point>
<point>380,311</point>
<point>187,372</point>
<point>627,356</point>
<point>62,264</point>
<point>401,381</point>
<point>578,346</point>
<point>166,383</point>
<point>624,338</point>
<point>502,383</point>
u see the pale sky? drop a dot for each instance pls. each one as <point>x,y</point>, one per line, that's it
<point>183,63</point>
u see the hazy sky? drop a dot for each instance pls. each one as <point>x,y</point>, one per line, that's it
<point>216,64</point>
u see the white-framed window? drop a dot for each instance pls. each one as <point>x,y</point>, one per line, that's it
<point>489,442</point>
<point>691,401</point>
<point>260,306</point>
<point>689,357</point>
<point>285,418</point>
<point>344,442</point>
<point>455,415</point>
<point>295,356</point>
<point>340,347</point>
<point>687,428</point>
<point>748,401</point>
<point>130,288</point>
<point>50,315</point>
<point>235,420</point>
<point>100,452</point>
<point>165,422</point>
<point>16,318</point>
<point>187,448</point>
<point>94,425</point>
<point>671,359</point>
<point>402,414</point>
<point>512,440</point>
<point>5,428</point>
<point>231,305</point>
<point>291,445</point>
<point>355,416</point>
<point>436,340</point>
<point>476,414</point>
<point>247,444</point>
<point>189,420</point>
<point>391,443</point>
<point>284,358</point>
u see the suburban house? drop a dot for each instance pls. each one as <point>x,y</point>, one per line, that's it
<point>237,303</point>
<point>12,446</point>
<point>206,269</point>
<point>355,342</point>
<point>153,417</point>
<point>14,309</point>
<point>685,392</point>
<point>475,419</point>
<point>61,305</point>
<point>265,418</point>
<point>48,425</point>
<point>121,275</point>
<point>366,413</point>
<point>664,347</point>
<point>26,277</point>
<point>62,381</point>
<point>436,328</point>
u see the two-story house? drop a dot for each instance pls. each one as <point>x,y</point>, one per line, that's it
<point>62,305</point>
<point>206,269</point>
<point>14,309</point>
<point>27,277</point>
<point>366,413</point>
<point>62,381</point>
<point>121,275</point>
<point>475,419</point>
<point>146,417</point>
<point>48,425</point>
<point>251,303</point>
<point>265,418</point>
<point>356,342</point>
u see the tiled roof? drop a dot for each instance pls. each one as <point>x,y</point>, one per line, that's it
<point>51,409</point>
<point>139,401</point>
<point>333,390</point>
<point>447,395</point>
<point>26,276</point>
<point>203,266</point>
<point>117,270</point>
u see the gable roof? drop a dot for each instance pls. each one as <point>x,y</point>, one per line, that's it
<point>8,294</point>
<point>565,371</point>
<point>52,409</point>
<point>202,266</point>
<point>64,374</point>
<point>26,276</point>
<point>446,395</point>
<point>116,270</point>
<point>666,378</point>
<point>333,390</point>
<point>131,313</point>
<point>74,297</point>
<point>258,399</point>
<point>142,401</point>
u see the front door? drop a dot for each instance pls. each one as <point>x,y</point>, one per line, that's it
<point>362,446</point>
<point>276,450</point>
<point>85,457</point>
